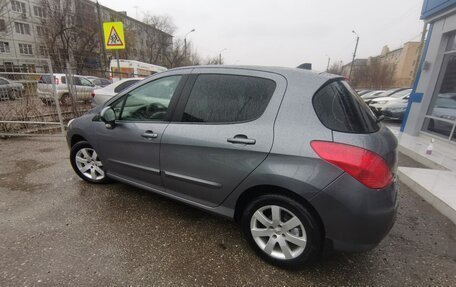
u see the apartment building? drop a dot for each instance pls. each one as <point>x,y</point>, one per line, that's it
<point>405,60</point>
<point>402,62</point>
<point>22,34</point>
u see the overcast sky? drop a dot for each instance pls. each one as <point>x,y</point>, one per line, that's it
<point>288,32</point>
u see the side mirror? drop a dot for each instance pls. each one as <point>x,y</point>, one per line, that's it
<point>108,116</point>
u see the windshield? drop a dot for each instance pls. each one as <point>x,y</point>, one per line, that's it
<point>401,94</point>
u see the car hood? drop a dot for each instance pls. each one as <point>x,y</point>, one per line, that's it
<point>384,99</point>
<point>396,104</point>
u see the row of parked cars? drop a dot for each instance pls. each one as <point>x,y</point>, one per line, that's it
<point>390,103</point>
<point>87,89</point>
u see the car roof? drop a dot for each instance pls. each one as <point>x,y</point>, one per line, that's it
<point>284,71</point>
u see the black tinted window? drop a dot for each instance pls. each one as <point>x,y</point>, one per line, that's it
<point>228,98</point>
<point>124,85</point>
<point>339,108</point>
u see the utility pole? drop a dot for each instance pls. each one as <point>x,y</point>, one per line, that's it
<point>329,60</point>
<point>100,32</point>
<point>354,54</point>
<point>220,55</point>
<point>420,52</point>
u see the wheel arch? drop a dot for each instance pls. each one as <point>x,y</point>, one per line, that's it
<point>259,190</point>
<point>76,138</point>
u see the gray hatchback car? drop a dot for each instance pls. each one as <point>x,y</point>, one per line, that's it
<point>294,156</point>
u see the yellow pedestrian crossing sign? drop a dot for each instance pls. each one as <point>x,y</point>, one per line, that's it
<point>114,35</point>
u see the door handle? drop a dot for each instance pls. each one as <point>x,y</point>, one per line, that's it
<point>149,135</point>
<point>241,139</point>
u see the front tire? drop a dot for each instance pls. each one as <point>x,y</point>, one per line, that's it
<point>282,231</point>
<point>86,163</point>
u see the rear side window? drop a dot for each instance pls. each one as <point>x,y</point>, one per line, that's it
<point>124,85</point>
<point>228,98</point>
<point>339,108</point>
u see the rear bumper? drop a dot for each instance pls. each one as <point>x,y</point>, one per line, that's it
<point>356,218</point>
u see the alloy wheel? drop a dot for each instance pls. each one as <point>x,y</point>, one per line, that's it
<point>89,164</point>
<point>278,232</point>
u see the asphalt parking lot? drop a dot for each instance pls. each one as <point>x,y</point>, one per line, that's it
<point>56,229</point>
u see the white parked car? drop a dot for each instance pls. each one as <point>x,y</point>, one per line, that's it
<point>379,103</point>
<point>103,94</point>
<point>83,88</point>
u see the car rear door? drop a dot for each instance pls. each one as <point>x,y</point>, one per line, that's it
<point>222,130</point>
<point>130,151</point>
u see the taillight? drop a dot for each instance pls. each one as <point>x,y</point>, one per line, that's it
<point>365,166</point>
<point>56,80</point>
<point>92,94</point>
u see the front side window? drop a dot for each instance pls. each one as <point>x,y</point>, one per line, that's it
<point>217,98</point>
<point>85,82</point>
<point>148,102</point>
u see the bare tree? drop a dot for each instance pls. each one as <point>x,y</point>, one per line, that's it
<point>335,68</point>
<point>71,33</point>
<point>379,74</point>
<point>157,37</point>
<point>215,60</point>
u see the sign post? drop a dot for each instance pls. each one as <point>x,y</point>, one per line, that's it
<point>114,39</point>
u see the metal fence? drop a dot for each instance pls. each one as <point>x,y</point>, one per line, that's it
<point>36,102</point>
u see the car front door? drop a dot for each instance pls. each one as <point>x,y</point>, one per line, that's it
<point>222,130</point>
<point>130,150</point>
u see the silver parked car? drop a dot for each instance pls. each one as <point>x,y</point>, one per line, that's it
<point>294,156</point>
<point>10,90</point>
<point>101,95</point>
<point>83,89</point>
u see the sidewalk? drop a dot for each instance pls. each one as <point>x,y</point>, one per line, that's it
<point>437,183</point>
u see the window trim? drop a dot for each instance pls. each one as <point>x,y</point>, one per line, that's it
<point>172,104</point>
<point>179,113</point>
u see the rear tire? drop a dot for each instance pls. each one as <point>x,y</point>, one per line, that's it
<point>86,163</point>
<point>65,100</point>
<point>291,239</point>
<point>13,95</point>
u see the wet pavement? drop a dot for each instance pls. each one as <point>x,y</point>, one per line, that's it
<point>56,229</point>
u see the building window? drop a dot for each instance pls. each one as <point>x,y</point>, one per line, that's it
<point>43,51</point>
<point>2,25</point>
<point>452,43</point>
<point>441,115</point>
<point>25,49</point>
<point>39,12</point>
<point>18,6</point>
<point>22,28</point>
<point>41,31</point>
<point>4,47</point>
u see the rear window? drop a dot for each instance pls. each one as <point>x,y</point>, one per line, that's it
<point>124,85</point>
<point>339,108</point>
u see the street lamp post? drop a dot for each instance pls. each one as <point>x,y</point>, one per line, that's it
<point>220,55</point>
<point>354,54</point>
<point>185,42</point>
<point>329,60</point>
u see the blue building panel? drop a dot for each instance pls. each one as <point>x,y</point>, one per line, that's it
<point>434,7</point>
